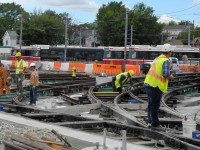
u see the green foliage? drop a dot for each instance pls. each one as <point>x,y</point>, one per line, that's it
<point>9,16</point>
<point>44,28</point>
<point>111,24</point>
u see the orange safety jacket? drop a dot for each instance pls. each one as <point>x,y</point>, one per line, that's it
<point>34,79</point>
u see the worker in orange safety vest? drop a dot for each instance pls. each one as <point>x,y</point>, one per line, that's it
<point>2,78</point>
<point>34,82</point>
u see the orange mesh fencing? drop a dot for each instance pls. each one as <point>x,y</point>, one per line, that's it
<point>57,65</point>
<point>113,70</point>
<point>183,68</point>
<point>79,67</point>
<point>135,68</point>
<point>98,69</point>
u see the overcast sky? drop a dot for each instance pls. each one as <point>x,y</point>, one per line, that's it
<point>85,10</point>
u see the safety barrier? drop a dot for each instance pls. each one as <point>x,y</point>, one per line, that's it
<point>12,65</point>
<point>189,68</point>
<point>135,68</point>
<point>79,67</point>
<point>57,65</point>
<point>113,70</point>
<point>98,69</point>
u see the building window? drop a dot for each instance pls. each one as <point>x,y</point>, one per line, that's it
<point>6,42</point>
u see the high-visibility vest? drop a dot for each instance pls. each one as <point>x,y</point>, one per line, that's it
<point>34,79</point>
<point>73,72</point>
<point>19,66</point>
<point>118,77</point>
<point>154,77</point>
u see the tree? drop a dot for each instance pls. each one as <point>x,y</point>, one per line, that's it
<point>147,29</point>
<point>111,24</point>
<point>193,34</point>
<point>172,23</point>
<point>9,16</point>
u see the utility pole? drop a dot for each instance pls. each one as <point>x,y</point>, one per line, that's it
<point>188,35</point>
<point>66,37</point>
<point>20,38</point>
<point>94,38</point>
<point>161,38</point>
<point>125,39</point>
<point>131,35</point>
<point>80,39</point>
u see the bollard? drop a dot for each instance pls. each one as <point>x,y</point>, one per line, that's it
<point>123,139</point>
<point>104,138</point>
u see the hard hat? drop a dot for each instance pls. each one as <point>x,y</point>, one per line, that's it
<point>32,65</point>
<point>18,54</point>
<point>167,48</point>
<point>131,72</point>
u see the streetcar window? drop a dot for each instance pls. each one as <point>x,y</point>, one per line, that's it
<point>117,55</point>
<point>174,61</point>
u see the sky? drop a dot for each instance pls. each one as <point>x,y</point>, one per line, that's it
<point>83,11</point>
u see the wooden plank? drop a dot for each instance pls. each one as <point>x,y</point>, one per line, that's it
<point>29,142</point>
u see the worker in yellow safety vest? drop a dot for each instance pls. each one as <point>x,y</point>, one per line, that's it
<point>156,83</point>
<point>20,66</point>
<point>2,78</point>
<point>73,73</point>
<point>121,79</point>
<point>34,82</point>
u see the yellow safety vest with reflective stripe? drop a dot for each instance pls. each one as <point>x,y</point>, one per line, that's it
<point>19,66</point>
<point>154,77</point>
<point>73,72</point>
<point>118,77</point>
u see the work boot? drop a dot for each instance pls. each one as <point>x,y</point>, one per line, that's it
<point>149,125</point>
<point>158,128</point>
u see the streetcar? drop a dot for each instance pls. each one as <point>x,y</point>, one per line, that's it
<point>29,53</point>
<point>140,54</point>
<point>72,54</point>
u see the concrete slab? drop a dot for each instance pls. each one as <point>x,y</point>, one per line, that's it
<point>71,133</point>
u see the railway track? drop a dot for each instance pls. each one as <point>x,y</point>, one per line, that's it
<point>118,114</point>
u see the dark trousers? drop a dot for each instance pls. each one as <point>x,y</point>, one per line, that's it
<point>154,97</point>
<point>33,95</point>
<point>19,79</point>
<point>119,89</point>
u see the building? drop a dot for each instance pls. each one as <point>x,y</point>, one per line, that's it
<point>174,31</point>
<point>10,38</point>
<point>89,38</point>
<point>196,42</point>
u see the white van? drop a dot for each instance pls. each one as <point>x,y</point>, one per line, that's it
<point>175,66</point>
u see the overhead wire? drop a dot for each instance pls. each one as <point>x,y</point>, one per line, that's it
<point>184,9</point>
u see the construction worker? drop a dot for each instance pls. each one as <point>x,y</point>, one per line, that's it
<point>7,85</point>
<point>73,73</point>
<point>2,78</point>
<point>120,80</point>
<point>156,83</point>
<point>20,65</point>
<point>34,81</point>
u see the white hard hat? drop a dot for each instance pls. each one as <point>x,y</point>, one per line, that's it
<point>32,65</point>
<point>167,48</point>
